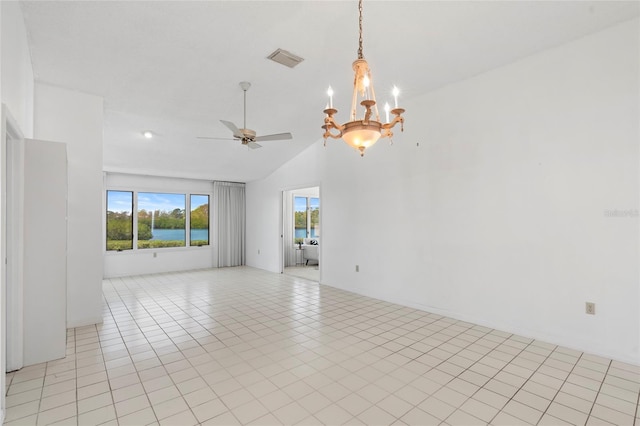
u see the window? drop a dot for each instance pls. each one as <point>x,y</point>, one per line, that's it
<point>314,217</point>
<point>306,212</point>
<point>300,218</point>
<point>161,220</point>
<point>119,220</point>
<point>199,220</point>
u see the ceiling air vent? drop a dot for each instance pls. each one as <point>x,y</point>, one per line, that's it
<point>285,58</point>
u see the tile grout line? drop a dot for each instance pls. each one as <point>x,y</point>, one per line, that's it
<point>443,361</point>
<point>75,363</point>
<point>113,403</point>
<point>525,382</point>
<point>175,316</point>
<point>46,367</point>
<point>635,418</point>
<point>129,354</point>
<point>561,386</point>
<point>156,353</point>
<point>598,393</point>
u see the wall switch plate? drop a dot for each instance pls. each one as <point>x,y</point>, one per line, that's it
<point>357,268</point>
<point>590,308</point>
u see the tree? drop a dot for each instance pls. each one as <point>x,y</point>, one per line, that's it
<point>200,217</point>
<point>301,219</point>
<point>144,231</point>
<point>168,220</point>
<point>315,217</point>
<point>119,226</point>
<point>177,214</point>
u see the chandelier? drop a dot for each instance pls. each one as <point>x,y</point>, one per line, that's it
<point>362,133</point>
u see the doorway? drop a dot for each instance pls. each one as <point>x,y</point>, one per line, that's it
<point>301,233</point>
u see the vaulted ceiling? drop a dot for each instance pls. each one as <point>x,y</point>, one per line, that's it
<point>173,67</point>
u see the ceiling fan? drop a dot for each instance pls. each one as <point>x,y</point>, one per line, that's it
<point>247,136</point>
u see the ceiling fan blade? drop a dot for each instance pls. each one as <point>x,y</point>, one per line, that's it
<point>275,137</point>
<point>236,132</point>
<point>214,138</point>
<point>254,145</point>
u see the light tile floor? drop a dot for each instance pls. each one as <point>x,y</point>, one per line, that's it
<point>310,272</point>
<point>243,346</point>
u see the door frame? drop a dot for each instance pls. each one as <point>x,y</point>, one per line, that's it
<point>283,217</point>
<point>11,241</point>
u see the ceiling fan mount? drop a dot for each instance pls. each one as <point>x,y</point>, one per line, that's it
<point>245,135</point>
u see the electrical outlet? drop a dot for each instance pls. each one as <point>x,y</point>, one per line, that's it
<point>357,268</point>
<point>590,308</point>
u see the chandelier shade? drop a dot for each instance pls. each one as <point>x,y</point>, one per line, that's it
<point>361,136</point>
<point>362,133</point>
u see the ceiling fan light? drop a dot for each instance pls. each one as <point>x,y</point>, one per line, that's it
<point>245,135</point>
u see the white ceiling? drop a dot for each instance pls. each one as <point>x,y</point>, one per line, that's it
<point>173,66</point>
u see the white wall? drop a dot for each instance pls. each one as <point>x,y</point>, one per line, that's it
<point>77,119</point>
<point>146,261</point>
<point>17,72</point>
<point>491,206</point>
<point>305,192</point>
<point>264,206</point>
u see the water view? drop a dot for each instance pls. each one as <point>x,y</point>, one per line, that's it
<point>178,234</point>
<point>162,219</point>
<point>302,233</point>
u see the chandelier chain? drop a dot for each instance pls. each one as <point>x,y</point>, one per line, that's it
<point>360,56</point>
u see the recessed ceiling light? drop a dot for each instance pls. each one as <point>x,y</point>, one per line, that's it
<point>147,134</point>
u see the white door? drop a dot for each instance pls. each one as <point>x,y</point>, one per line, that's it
<point>45,251</point>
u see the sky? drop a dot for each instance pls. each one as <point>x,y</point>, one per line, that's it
<point>121,201</point>
<point>300,203</point>
<point>152,201</point>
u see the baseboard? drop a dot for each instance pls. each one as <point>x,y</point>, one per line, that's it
<point>85,322</point>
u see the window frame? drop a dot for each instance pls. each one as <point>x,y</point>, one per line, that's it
<point>208,220</point>
<point>308,208</point>
<point>185,240</point>
<point>187,194</point>
<point>106,222</point>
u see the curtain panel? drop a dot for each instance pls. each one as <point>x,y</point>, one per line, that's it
<point>229,223</point>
